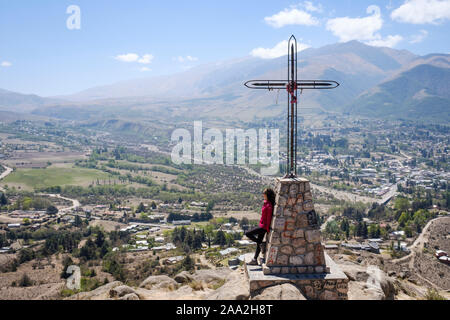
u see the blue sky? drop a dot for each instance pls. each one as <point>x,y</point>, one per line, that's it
<point>120,40</point>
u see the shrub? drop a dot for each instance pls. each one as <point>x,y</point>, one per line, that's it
<point>25,281</point>
<point>433,294</point>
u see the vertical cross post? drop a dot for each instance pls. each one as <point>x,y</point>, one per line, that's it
<point>292,85</point>
<point>292,109</point>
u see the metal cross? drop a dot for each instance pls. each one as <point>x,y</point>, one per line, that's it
<point>292,85</point>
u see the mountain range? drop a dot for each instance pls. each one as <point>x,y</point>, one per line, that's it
<point>374,81</point>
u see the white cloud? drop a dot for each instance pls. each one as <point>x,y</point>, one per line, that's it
<point>419,37</point>
<point>390,41</point>
<point>145,69</point>
<point>290,17</point>
<point>6,64</point>
<point>187,58</point>
<point>129,57</point>
<point>279,50</point>
<point>362,29</point>
<point>309,6</point>
<point>422,11</point>
<point>146,59</point>
<point>133,57</point>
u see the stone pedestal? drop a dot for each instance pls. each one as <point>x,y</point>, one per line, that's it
<point>332,285</point>
<point>294,252</point>
<point>293,243</point>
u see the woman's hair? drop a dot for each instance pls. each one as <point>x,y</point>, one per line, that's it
<point>270,195</point>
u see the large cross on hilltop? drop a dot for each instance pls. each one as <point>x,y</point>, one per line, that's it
<point>292,85</point>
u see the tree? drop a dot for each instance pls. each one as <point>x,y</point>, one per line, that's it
<point>78,221</point>
<point>67,261</point>
<point>100,240</point>
<point>345,226</point>
<point>88,251</point>
<point>220,238</point>
<point>374,231</point>
<point>365,232</point>
<point>3,200</point>
<point>232,220</point>
<point>25,281</point>
<point>244,222</point>
<point>140,208</point>
<point>3,241</point>
<point>332,228</point>
<point>401,204</point>
<point>52,210</point>
<point>188,263</point>
<point>25,255</point>
<point>197,243</point>
<point>210,206</point>
<point>403,219</point>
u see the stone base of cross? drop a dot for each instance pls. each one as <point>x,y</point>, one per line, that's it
<point>295,253</point>
<point>294,241</point>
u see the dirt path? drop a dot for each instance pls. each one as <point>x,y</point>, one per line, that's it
<point>418,242</point>
<point>75,202</point>
<point>205,261</point>
<point>416,248</point>
<point>324,225</point>
<point>5,174</point>
<point>343,195</point>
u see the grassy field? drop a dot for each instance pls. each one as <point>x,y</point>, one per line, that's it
<point>58,175</point>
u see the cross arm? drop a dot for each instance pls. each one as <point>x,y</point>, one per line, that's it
<point>282,84</point>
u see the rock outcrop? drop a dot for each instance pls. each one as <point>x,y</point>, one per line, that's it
<point>285,291</point>
<point>121,291</point>
<point>366,283</point>
<point>101,293</point>
<point>235,288</point>
<point>158,282</point>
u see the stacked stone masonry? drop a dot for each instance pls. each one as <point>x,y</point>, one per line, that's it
<point>294,241</point>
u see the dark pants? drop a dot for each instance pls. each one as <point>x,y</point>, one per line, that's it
<point>256,235</point>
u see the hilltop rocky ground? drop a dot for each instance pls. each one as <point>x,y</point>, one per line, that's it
<point>367,282</point>
<point>372,277</point>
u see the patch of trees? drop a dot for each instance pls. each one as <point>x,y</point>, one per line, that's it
<point>353,212</point>
<point>413,216</point>
<point>378,211</point>
<point>361,230</point>
<point>188,239</point>
<point>136,168</point>
<point>61,241</point>
<point>222,238</point>
<point>204,216</point>
<point>113,265</point>
<point>95,249</point>
<point>52,210</point>
<point>411,223</point>
<point>28,203</point>
<point>25,255</point>
<point>332,229</point>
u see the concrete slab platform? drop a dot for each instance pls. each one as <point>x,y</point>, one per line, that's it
<point>321,286</point>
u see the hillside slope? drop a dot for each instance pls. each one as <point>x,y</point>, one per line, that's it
<point>421,92</point>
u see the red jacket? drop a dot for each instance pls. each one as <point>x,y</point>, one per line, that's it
<point>266,216</point>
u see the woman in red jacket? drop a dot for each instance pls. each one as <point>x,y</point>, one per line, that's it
<point>257,234</point>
